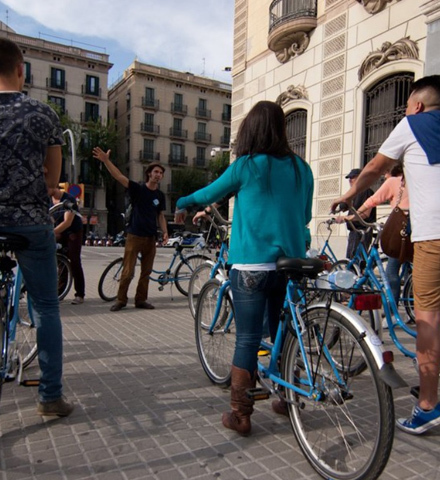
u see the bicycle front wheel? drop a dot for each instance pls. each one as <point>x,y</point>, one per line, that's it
<point>26,331</point>
<point>215,334</point>
<point>109,282</point>
<point>64,276</point>
<point>185,269</point>
<point>346,429</point>
<point>198,279</point>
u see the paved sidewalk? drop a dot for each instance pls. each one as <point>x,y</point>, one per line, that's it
<point>146,410</point>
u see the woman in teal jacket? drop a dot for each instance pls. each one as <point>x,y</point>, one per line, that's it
<point>273,203</point>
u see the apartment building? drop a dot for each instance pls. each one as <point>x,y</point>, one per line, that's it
<point>76,80</point>
<point>175,118</point>
<point>341,70</point>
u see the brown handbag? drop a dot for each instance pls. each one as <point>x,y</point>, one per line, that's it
<point>395,238</point>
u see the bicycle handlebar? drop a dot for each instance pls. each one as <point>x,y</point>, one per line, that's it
<point>65,205</point>
<point>373,225</point>
<point>218,217</point>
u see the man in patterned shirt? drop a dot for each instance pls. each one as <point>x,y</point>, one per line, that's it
<point>30,163</point>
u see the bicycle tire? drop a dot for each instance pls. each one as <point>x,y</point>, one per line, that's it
<point>3,342</point>
<point>215,348</point>
<point>348,434</point>
<point>408,297</point>
<point>109,282</point>
<point>65,278</point>
<point>185,269</point>
<point>26,331</point>
<point>199,277</point>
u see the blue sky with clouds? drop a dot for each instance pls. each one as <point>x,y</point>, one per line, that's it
<point>190,35</point>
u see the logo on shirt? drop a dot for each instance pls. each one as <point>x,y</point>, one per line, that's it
<point>155,202</point>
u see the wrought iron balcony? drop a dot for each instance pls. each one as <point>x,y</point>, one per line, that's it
<point>146,156</point>
<point>200,162</point>
<point>202,137</point>
<point>178,133</point>
<point>290,24</point>
<point>177,159</point>
<point>150,103</point>
<point>203,113</point>
<point>179,109</point>
<point>150,128</point>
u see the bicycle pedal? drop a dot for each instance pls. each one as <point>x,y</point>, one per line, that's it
<point>30,383</point>
<point>258,393</point>
<point>415,391</point>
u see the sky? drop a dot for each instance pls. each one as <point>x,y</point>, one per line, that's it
<point>186,35</point>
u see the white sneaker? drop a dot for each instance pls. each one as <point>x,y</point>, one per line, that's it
<point>77,301</point>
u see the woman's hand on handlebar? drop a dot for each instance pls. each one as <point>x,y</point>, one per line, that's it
<point>179,216</point>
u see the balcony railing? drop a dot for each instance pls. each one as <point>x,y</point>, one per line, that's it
<point>51,84</point>
<point>148,156</point>
<point>226,117</point>
<point>202,137</point>
<point>179,109</point>
<point>86,90</point>
<point>224,140</point>
<point>289,27</point>
<point>203,113</point>
<point>178,133</point>
<point>150,103</point>
<point>149,128</point>
<point>177,159</point>
<point>200,162</point>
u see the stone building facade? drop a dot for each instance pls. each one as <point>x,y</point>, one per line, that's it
<point>175,118</point>
<point>341,70</point>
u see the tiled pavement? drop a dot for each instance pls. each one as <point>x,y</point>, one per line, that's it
<point>145,409</point>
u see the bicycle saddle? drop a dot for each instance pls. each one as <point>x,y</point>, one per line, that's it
<point>11,242</point>
<point>300,267</point>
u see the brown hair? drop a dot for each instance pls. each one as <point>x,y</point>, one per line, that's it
<point>10,57</point>
<point>151,167</point>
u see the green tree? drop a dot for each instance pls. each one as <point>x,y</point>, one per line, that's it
<point>186,181</point>
<point>219,164</point>
<point>94,172</point>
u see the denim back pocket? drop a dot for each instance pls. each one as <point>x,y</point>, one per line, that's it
<point>251,281</point>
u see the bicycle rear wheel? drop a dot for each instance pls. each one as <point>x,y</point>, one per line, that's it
<point>198,278</point>
<point>408,297</point>
<point>215,344</point>
<point>26,331</point>
<point>109,282</point>
<point>185,270</point>
<point>348,433</point>
<point>64,276</point>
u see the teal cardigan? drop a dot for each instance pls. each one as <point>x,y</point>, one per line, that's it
<point>273,205</point>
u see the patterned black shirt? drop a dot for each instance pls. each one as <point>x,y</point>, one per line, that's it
<point>27,128</point>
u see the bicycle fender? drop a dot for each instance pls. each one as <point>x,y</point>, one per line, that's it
<point>387,371</point>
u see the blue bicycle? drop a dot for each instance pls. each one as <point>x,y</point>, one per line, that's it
<point>342,417</point>
<point>178,274</point>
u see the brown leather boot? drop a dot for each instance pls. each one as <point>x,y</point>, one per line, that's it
<point>280,406</point>
<point>239,419</point>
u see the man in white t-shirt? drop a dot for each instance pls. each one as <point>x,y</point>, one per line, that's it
<point>416,140</point>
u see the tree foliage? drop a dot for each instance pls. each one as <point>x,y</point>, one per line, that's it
<point>219,164</point>
<point>186,181</point>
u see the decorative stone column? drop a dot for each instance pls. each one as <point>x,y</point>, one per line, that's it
<point>432,11</point>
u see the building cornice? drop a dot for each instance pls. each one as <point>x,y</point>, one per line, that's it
<point>431,9</point>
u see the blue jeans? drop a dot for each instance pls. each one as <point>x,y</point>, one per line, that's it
<point>254,293</point>
<point>38,264</point>
<point>392,272</point>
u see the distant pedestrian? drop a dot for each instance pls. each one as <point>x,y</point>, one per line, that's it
<point>148,213</point>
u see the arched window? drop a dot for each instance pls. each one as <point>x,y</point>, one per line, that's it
<point>296,124</point>
<point>385,107</point>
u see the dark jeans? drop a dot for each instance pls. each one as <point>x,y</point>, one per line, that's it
<point>39,268</point>
<point>134,245</point>
<point>254,293</point>
<point>354,238</point>
<point>392,272</point>
<point>73,242</point>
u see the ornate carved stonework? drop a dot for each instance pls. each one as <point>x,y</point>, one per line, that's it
<point>374,6</point>
<point>292,93</point>
<point>300,41</point>
<point>389,52</point>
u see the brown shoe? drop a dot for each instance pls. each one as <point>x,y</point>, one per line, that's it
<point>58,408</point>
<point>117,306</point>
<point>145,306</point>
<point>280,406</point>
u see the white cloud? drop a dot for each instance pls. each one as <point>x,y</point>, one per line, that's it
<point>189,35</point>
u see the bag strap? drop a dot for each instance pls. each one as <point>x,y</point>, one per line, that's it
<point>399,198</point>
